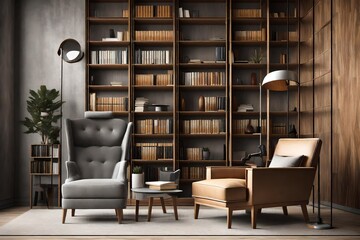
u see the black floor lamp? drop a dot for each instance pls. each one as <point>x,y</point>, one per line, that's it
<point>70,52</point>
<point>279,81</point>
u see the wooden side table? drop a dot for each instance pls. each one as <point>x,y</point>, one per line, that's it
<point>144,193</point>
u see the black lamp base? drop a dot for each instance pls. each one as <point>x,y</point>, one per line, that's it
<point>319,225</point>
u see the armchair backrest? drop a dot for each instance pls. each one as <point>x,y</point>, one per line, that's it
<point>97,145</point>
<point>308,147</point>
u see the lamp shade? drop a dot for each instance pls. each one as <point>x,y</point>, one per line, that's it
<point>70,51</point>
<point>279,80</point>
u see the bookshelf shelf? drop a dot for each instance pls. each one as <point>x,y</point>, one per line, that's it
<point>109,43</point>
<point>109,66</point>
<point>107,88</point>
<point>108,20</point>
<point>45,166</point>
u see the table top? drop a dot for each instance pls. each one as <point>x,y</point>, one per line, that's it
<point>153,191</point>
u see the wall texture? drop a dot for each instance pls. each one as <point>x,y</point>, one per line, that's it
<point>329,93</point>
<point>7,103</point>
<point>346,117</point>
<point>40,28</point>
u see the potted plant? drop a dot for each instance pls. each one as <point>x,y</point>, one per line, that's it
<point>257,57</point>
<point>205,153</point>
<point>137,177</point>
<point>43,106</point>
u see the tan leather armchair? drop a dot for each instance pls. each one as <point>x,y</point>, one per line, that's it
<point>237,188</point>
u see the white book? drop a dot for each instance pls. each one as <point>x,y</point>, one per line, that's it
<point>109,39</point>
<point>181,13</point>
<point>186,13</point>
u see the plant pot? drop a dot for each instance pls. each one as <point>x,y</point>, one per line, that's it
<point>206,155</point>
<point>137,180</point>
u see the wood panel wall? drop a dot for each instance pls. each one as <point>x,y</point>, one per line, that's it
<point>329,90</point>
<point>306,69</point>
<point>322,90</point>
<point>346,102</point>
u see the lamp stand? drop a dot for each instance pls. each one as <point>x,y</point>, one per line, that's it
<point>319,225</point>
<point>61,93</point>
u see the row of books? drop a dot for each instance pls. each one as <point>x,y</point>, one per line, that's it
<point>203,126</point>
<point>152,56</point>
<point>215,103</point>
<point>282,36</point>
<point>154,79</point>
<point>116,104</point>
<point>240,125</point>
<point>154,126</point>
<point>44,151</point>
<point>279,128</point>
<point>193,153</point>
<point>246,12</point>
<point>203,78</point>
<point>160,35</point>
<point>256,35</point>
<point>153,151</point>
<point>40,166</point>
<point>193,172</point>
<point>220,54</point>
<point>149,11</point>
<point>109,57</point>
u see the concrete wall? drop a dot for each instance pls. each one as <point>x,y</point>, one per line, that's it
<point>41,26</point>
<point>7,103</point>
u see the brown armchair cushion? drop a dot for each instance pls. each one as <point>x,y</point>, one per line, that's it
<point>225,190</point>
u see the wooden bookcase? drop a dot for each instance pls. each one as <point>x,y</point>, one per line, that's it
<point>45,173</point>
<point>191,61</point>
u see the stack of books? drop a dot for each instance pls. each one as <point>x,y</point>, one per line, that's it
<point>245,108</point>
<point>162,185</point>
<point>141,104</point>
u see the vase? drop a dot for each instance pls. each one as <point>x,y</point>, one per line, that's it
<point>249,128</point>
<point>137,180</point>
<point>182,106</point>
<point>205,155</point>
<point>253,79</point>
<point>201,103</point>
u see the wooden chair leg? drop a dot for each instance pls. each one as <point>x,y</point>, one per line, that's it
<point>175,207</point>
<point>137,210</point>
<point>119,214</point>
<point>163,204</point>
<point>64,211</point>
<point>305,212</point>
<point>73,212</point>
<point>151,200</point>
<point>253,217</point>
<point>196,210</point>
<point>285,210</point>
<point>36,198</point>
<point>229,217</point>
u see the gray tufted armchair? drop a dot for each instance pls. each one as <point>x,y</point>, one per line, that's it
<point>96,165</point>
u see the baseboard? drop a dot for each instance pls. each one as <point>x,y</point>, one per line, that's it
<point>7,203</point>
<point>337,206</point>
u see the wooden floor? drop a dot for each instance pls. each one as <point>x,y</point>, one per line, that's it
<point>7,215</point>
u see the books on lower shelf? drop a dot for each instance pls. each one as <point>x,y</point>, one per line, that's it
<point>154,126</point>
<point>154,79</point>
<point>161,185</point>
<point>153,56</point>
<point>116,104</point>
<point>153,151</point>
<point>109,57</point>
<point>203,126</point>
<point>203,78</point>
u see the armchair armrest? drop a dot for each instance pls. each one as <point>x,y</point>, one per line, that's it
<point>225,172</point>
<point>279,185</point>
<point>125,143</point>
<point>73,172</point>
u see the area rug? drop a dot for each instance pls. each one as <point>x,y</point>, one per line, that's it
<point>211,222</point>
